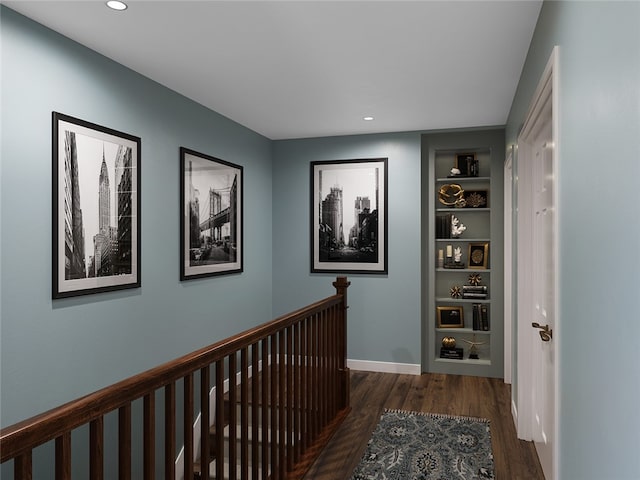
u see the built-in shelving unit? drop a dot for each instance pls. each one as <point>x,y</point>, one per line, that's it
<point>474,198</point>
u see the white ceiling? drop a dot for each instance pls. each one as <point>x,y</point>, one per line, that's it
<point>293,69</point>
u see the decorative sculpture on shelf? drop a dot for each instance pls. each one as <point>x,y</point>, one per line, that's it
<point>473,350</point>
<point>452,195</point>
<point>455,292</point>
<point>448,342</point>
<point>457,254</point>
<point>475,279</point>
<point>476,200</point>
<point>456,227</point>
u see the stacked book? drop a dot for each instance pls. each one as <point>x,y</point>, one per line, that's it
<point>443,226</point>
<point>454,353</point>
<point>475,291</point>
<point>481,317</point>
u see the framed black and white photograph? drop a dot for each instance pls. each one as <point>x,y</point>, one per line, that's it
<point>96,208</point>
<point>450,317</point>
<point>210,216</point>
<point>349,216</point>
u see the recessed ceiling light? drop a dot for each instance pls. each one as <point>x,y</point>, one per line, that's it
<point>116,5</point>
<point>367,119</point>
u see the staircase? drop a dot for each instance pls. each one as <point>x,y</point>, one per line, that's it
<point>256,443</point>
<point>258,433</point>
<point>272,422</point>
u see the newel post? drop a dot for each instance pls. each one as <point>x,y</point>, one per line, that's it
<point>341,284</point>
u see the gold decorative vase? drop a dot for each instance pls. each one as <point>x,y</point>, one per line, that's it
<point>448,342</point>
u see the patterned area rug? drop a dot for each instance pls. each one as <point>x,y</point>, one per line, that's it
<point>421,446</point>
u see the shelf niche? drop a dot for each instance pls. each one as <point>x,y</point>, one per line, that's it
<point>484,224</point>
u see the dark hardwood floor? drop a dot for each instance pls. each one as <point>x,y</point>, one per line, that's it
<point>371,393</point>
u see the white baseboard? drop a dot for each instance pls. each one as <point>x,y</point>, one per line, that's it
<point>384,367</point>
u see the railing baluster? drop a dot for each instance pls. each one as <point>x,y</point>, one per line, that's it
<point>255,405</point>
<point>289,406</point>
<point>22,466</point>
<point>205,417</point>
<point>303,385</point>
<point>322,369</point>
<point>220,419</point>
<point>336,353</point>
<point>169,431</point>
<point>96,453</point>
<point>265,372</point>
<point>282,400</point>
<point>149,455</point>
<point>244,414</point>
<point>329,362</point>
<point>273,407</point>
<point>332,363</point>
<point>306,427</point>
<point>316,378</point>
<point>336,356</point>
<point>327,366</point>
<point>188,426</point>
<point>63,457</point>
<point>233,416</point>
<point>296,392</point>
<point>124,442</point>
<point>341,285</point>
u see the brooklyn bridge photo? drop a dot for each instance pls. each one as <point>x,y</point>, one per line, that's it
<point>212,230</point>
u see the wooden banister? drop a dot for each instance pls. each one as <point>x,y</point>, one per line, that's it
<point>295,398</point>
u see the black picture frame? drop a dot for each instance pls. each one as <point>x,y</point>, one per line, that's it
<point>348,216</point>
<point>478,255</point>
<point>96,208</point>
<point>450,317</point>
<point>211,230</point>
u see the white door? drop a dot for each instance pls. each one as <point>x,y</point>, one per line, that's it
<point>537,274</point>
<point>543,293</point>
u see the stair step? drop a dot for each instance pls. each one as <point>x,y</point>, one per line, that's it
<point>197,474</point>
<point>212,445</point>
<point>262,410</point>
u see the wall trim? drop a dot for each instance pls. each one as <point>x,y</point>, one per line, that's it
<point>384,367</point>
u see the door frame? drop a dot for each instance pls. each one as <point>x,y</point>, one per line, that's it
<point>546,91</point>
<point>509,276</point>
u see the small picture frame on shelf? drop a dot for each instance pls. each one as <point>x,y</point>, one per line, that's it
<point>478,255</point>
<point>450,317</point>
<point>467,164</point>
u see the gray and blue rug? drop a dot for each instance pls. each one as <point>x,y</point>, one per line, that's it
<point>423,446</point>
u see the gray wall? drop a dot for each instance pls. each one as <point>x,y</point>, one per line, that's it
<point>54,351</point>
<point>384,320</point>
<point>599,176</point>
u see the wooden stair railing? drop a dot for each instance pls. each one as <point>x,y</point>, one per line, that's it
<point>287,409</point>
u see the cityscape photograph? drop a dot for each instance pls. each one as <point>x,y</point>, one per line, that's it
<point>348,204</point>
<point>98,226</point>
<point>212,208</point>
